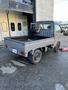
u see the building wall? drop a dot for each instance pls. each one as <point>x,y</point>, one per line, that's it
<point>17,5</point>
<point>14,17</point>
<point>44,10</point>
<point>4,4</point>
<point>17,17</point>
<point>3,25</point>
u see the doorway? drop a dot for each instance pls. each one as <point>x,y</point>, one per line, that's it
<point>29,20</point>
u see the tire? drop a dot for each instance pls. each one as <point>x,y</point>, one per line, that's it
<point>36,57</point>
<point>64,33</point>
<point>56,48</point>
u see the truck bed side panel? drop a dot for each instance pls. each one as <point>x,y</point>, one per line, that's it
<point>38,44</point>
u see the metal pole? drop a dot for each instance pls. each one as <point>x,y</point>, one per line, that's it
<point>8,22</point>
<point>34,10</point>
<point>7,13</point>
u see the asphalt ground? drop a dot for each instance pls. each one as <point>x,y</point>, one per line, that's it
<point>16,73</point>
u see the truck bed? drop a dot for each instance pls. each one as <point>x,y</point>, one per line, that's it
<point>28,39</point>
<point>22,45</point>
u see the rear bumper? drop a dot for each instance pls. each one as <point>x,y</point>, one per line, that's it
<point>15,51</point>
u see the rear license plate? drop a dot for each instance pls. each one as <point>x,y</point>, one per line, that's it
<point>14,51</point>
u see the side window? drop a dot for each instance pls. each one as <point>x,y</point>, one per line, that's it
<point>19,27</point>
<point>12,27</point>
<point>57,28</point>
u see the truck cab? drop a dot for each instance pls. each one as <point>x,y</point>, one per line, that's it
<point>46,29</point>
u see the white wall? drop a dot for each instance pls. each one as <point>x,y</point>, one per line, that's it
<point>44,10</point>
<point>13,17</point>
<point>3,25</point>
<point>18,17</point>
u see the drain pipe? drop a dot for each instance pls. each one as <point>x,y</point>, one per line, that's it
<point>7,13</point>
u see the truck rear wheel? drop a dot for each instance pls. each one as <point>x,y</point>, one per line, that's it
<point>64,33</point>
<point>56,48</point>
<point>36,57</point>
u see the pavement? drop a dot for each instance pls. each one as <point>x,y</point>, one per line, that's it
<point>16,73</point>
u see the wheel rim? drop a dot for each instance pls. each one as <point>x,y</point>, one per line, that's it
<point>37,56</point>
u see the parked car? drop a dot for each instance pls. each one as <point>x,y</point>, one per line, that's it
<point>65,30</point>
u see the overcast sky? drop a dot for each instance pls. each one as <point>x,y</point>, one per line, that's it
<point>61,10</point>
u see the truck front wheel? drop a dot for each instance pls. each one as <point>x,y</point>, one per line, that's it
<point>36,57</point>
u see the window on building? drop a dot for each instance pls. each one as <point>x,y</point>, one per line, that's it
<point>19,27</point>
<point>12,27</point>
